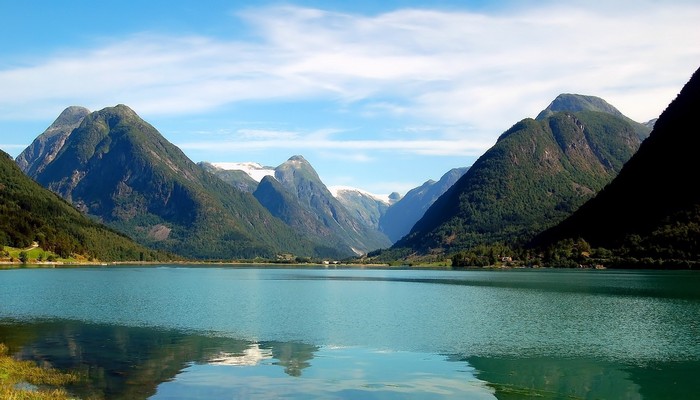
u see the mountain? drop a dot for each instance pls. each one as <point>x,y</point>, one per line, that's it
<point>286,206</point>
<point>29,213</point>
<point>302,181</point>
<point>398,219</point>
<point>366,207</point>
<point>294,193</point>
<point>120,169</point>
<point>652,208</point>
<point>45,147</point>
<point>569,102</point>
<point>537,174</point>
<point>650,124</point>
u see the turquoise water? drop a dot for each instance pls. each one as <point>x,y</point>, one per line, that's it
<point>178,332</point>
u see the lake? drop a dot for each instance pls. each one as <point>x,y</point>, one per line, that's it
<point>176,332</point>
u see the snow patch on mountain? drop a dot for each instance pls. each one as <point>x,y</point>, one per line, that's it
<point>337,191</point>
<point>253,169</point>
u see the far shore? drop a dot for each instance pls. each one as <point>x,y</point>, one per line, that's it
<point>254,264</point>
<point>59,264</point>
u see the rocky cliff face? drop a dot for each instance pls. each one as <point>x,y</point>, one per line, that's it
<point>45,147</point>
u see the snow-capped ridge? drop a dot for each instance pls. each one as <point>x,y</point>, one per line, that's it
<point>253,169</point>
<point>335,191</point>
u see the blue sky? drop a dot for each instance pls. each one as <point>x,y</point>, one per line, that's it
<point>377,95</point>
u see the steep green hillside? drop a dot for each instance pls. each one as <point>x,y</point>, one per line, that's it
<point>652,208</point>
<point>537,174</point>
<point>118,168</point>
<point>31,213</point>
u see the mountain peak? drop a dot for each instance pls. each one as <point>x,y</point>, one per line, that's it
<point>47,145</point>
<point>575,103</point>
<point>578,102</point>
<point>296,166</point>
<point>298,161</point>
<point>123,108</point>
<point>71,115</point>
<point>120,110</point>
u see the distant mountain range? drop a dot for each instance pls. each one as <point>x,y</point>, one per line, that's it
<point>651,210</point>
<point>391,215</point>
<point>537,174</point>
<point>294,193</point>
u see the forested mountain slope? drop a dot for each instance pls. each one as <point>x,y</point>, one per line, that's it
<point>29,213</point>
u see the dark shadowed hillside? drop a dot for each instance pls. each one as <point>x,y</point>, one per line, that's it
<point>652,208</point>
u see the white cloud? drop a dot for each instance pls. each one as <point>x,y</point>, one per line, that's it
<point>465,147</point>
<point>448,68</point>
<point>11,147</point>
<point>266,134</point>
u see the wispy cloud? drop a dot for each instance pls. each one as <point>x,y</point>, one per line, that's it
<point>266,135</point>
<point>13,146</point>
<point>435,147</point>
<point>483,71</point>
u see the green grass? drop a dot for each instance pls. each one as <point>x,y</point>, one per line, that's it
<point>25,380</point>
<point>33,255</point>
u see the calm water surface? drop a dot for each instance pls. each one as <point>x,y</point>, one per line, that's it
<point>187,333</point>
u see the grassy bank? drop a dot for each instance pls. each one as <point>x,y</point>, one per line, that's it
<point>33,254</point>
<point>21,380</point>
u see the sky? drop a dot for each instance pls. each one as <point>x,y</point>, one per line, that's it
<point>378,95</point>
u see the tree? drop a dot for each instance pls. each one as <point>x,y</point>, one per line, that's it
<point>23,257</point>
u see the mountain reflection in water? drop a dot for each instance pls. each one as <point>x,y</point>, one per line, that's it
<point>146,332</point>
<point>130,362</point>
<point>120,362</point>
